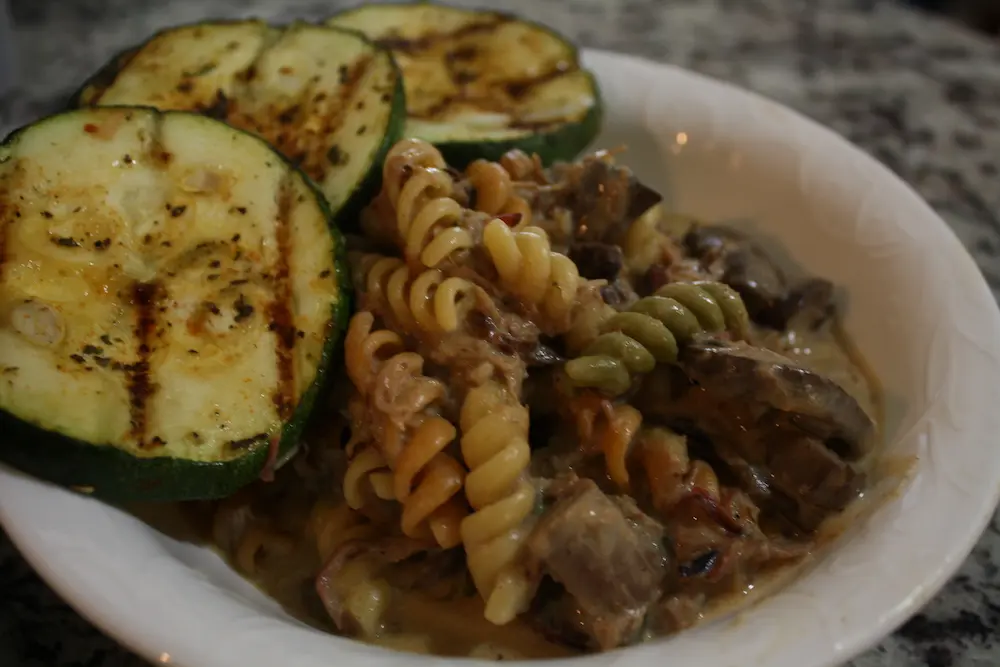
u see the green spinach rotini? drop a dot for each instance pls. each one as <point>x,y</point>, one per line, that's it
<point>633,341</point>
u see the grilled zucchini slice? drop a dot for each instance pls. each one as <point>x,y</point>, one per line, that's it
<point>171,292</point>
<point>479,83</point>
<point>328,99</point>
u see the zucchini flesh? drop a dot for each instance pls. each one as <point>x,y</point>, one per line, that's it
<point>170,289</point>
<point>484,78</point>
<point>328,99</point>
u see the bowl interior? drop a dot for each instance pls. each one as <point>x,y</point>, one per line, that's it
<point>916,307</point>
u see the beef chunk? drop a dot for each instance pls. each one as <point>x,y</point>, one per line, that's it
<point>744,266</point>
<point>745,374</point>
<point>611,564</point>
<point>783,432</point>
<point>619,293</point>
<point>604,261</point>
<point>809,306</point>
<point>559,617</point>
<point>597,261</point>
<point>785,472</point>
<point>604,198</point>
<point>806,469</point>
<point>513,336</point>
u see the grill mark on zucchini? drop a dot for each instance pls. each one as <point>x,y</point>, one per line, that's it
<point>519,89</point>
<point>248,443</point>
<point>516,90</point>
<point>243,79</point>
<point>411,46</point>
<point>280,311</point>
<point>305,146</point>
<point>490,98</point>
<point>140,387</point>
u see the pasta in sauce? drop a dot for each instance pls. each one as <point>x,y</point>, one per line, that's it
<point>568,420</point>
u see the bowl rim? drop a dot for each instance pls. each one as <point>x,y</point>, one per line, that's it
<point>128,631</point>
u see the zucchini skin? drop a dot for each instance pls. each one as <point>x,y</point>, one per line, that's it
<point>564,143</point>
<point>113,475</point>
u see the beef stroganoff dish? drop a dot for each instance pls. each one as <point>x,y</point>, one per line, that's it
<point>351,302</point>
<point>570,414</point>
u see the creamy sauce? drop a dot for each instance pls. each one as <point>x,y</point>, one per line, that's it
<point>417,622</point>
<point>830,353</point>
<point>414,622</point>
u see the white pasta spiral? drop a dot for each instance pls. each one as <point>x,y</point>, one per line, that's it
<point>427,302</point>
<point>530,270</point>
<point>495,448</point>
<point>419,188</point>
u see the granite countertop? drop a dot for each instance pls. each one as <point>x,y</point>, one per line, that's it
<point>920,94</point>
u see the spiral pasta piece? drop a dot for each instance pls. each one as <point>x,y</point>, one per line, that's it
<point>402,158</point>
<point>673,477</point>
<point>417,185</point>
<point>495,448</point>
<point>366,470</point>
<point>619,434</point>
<point>424,479</point>
<point>333,524</point>
<point>365,351</point>
<point>634,341</point>
<point>427,302</point>
<point>523,167</point>
<point>530,270</point>
<point>615,439</point>
<point>495,191</point>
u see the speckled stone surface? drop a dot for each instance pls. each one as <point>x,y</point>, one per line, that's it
<point>921,95</point>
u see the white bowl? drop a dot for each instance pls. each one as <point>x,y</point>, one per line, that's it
<point>918,309</point>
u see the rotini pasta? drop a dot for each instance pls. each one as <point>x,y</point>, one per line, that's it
<point>615,438</point>
<point>495,448</point>
<point>589,315</point>
<point>523,167</point>
<point>532,272</point>
<point>367,353</point>
<point>427,482</point>
<point>428,302</point>
<point>665,458</point>
<point>471,314</point>
<point>618,433</point>
<point>674,477</point>
<point>495,193</point>
<point>427,218</point>
<point>367,472</point>
<point>424,478</point>
<point>403,157</point>
<point>648,332</point>
<point>333,524</point>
